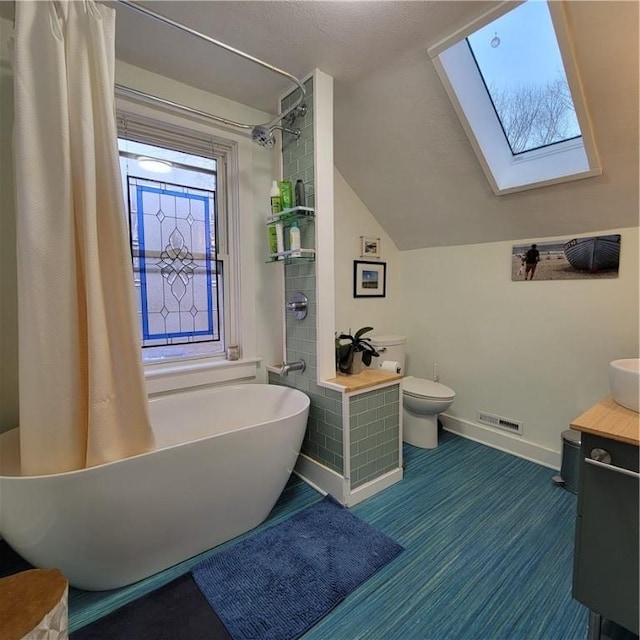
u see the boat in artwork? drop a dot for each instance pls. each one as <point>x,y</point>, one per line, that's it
<point>596,253</point>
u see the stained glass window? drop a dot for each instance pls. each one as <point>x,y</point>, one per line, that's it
<point>174,256</point>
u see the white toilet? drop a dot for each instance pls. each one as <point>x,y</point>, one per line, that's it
<point>422,400</point>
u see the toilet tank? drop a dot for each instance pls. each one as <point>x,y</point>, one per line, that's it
<point>390,347</point>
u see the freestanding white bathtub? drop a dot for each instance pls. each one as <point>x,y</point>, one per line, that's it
<point>222,460</point>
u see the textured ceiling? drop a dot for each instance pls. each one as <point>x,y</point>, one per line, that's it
<point>347,40</point>
<point>398,142</point>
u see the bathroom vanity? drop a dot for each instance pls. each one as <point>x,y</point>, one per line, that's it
<point>605,575</point>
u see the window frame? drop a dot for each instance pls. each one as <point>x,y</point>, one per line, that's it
<point>218,155</point>
<point>456,67</point>
<point>234,158</point>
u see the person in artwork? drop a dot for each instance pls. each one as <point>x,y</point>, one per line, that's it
<point>531,260</point>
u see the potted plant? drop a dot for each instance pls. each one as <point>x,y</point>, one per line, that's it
<point>351,355</point>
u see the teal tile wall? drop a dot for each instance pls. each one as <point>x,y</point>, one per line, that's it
<point>301,334</point>
<point>373,416</point>
<point>374,419</point>
<point>323,439</point>
<point>297,155</point>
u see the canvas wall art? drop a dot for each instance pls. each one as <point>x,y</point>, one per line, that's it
<point>570,259</point>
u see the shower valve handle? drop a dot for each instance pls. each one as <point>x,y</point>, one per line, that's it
<point>298,305</point>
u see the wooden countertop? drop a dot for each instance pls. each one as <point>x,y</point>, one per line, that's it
<point>610,420</point>
<point>365,379</point>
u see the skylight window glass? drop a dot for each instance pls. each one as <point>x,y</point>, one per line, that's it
<point>519,60</point>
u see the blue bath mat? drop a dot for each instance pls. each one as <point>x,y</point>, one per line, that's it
<point>278,583</point>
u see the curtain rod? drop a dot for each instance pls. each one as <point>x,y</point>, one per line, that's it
<point>123,90</point>
<point>269,125</point>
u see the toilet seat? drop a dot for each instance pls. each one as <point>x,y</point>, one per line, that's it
<point>422,388</point>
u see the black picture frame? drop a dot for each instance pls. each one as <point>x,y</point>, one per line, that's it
<point>369,279</point>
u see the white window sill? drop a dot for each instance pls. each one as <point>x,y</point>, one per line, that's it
<point>173,376</point>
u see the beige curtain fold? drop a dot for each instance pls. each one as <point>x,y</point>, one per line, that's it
<point>82,393</point>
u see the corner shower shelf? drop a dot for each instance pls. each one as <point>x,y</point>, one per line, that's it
<point>295,213</point>
<point>305,216</point>
<point>307,255</point>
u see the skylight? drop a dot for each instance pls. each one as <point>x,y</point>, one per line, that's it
<point>513,82</point>
<point>520,63</point>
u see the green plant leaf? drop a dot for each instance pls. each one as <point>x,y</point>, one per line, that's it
<point>366,358</point>
<point>344,350</point>
<point>361,332</point>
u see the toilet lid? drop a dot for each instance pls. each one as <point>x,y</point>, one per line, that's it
<point>422,388</point>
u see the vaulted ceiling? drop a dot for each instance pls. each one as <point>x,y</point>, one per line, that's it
<point>397,141</point>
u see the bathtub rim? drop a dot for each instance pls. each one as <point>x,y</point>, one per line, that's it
<point>165,396</point>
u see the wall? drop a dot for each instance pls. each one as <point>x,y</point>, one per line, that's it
<point>323,441</point>
<point>534,351</point>
<point>352,220</point>
<point>260,292</point>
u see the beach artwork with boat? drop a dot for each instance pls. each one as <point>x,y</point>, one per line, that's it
<point>570,259</point>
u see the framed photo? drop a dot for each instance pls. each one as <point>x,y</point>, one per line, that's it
<point>369,247</point>
<point>369,279</point>
<point>590,257</point>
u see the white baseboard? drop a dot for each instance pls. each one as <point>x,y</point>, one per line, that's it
<point>327,481</point>
<point>321,478</point>
<point>514,445</point>
<point>374,486</point>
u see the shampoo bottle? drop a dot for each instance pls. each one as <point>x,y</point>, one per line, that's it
<point>276,202</point>
<point>294,240</point>
<point>301,200</point>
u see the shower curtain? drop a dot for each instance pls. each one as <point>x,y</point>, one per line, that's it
<point>82,394</point>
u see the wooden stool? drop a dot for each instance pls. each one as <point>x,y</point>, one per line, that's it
<point>33,606</point>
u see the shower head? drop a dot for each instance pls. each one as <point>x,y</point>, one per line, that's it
<point>263,136</point>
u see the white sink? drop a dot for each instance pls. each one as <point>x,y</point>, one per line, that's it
<point>624,381</point>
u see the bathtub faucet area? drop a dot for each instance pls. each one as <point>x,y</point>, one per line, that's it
<point>288,367</point>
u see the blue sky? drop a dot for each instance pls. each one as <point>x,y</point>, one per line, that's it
<point>528,52</point>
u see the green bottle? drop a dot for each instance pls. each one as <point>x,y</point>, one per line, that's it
<point>276,201</point>
<point>286,194</point>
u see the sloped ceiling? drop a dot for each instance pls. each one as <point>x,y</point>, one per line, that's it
<point>397,141</point>
<point>402,149</point>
